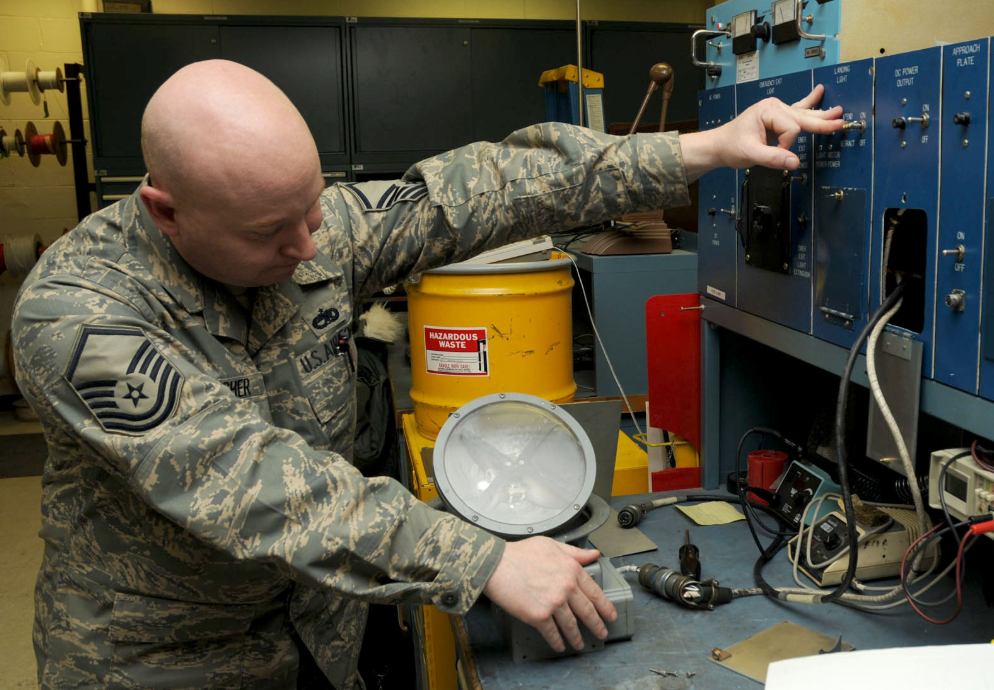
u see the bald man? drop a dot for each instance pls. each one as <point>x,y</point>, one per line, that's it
<point>188,350</point>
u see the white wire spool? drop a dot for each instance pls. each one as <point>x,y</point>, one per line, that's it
<point>20,82</point>
<point>21,253</point>
<point>51,80</point>
<point>11,144</point>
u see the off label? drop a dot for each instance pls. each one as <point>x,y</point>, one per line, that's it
<point>456,351</point>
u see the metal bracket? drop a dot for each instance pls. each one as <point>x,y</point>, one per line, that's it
<point>713,69</point>
<point>798,8</point>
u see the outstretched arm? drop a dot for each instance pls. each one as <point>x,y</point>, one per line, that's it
<point>744,141</point>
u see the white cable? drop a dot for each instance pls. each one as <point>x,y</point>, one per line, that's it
<point>600,342</point>
<point>895,430</point>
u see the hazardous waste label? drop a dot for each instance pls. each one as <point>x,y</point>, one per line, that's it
<point>456,351</point>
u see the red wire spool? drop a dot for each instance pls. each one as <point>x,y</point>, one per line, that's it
<point>45,144</point>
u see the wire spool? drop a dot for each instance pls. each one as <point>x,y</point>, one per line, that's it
<point>10,145</point>
<point>46,144</point>
<point>51,80</point>
<point>20,82</point>
<point>21,253</point>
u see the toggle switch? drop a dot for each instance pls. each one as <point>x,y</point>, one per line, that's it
<point>859,125</point>
<point>959,252</point>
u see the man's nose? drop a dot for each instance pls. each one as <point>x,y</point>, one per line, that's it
<point>301,248</point>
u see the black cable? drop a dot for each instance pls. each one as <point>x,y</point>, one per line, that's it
<point>765,557</point>
<point>942,489</point>
<point>840,441</point>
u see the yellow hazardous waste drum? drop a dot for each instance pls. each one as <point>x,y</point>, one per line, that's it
<point>478,329</point>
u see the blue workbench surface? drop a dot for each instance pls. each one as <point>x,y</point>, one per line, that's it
<point>672,638</point>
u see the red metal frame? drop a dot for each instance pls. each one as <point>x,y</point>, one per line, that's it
<point>673,345</point>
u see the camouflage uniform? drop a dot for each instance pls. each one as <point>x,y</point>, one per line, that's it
<point>199,511</point>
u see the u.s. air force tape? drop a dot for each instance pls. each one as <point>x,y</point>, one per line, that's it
<point>128,385</point>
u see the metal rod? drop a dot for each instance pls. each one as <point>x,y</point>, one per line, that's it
<point>77,139</point>
<point>645,102</point>
<point>579,66</point>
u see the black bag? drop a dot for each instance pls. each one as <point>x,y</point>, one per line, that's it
<point>375,448</point>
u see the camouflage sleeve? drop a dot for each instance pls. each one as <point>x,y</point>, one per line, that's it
<point>543,179</point>
<point>209,462</point>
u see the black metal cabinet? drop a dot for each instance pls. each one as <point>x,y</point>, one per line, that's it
<point>306,62</point>
<point>624,52</point>
<point>411,87</point>
<point>127,58</point>
<point>507,64</point>
<point>427,86</point>
<point>378,94</point>
<point>125,63</point>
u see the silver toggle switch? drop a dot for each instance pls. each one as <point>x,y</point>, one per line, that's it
<point>959,252</point>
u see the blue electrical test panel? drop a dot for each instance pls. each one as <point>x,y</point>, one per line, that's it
<point>965,69</point>
<point>906,189</point>
<point>717,239</point>
<point>843,186</point>
<point>764,41</point>
<point>775,264</point>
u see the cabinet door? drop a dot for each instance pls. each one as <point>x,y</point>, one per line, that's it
<point>412,91</point>
<point>507,64</point>
<point>126,63</point>
<point>306,63</point>
<point>625,55</point>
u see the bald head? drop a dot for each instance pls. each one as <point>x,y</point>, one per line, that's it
<point>236,177</point>
<point>219,128</point>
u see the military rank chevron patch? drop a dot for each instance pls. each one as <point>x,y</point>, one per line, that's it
<point>128,385</point>
<point>379,195</point>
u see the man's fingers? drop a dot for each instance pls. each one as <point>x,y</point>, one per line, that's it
<point>550,632</point>
<point>582,556</point>
<point>812,99</point>
<point>568,626</point>
<point>832,113</point>
<point>772,157</point>
<point>602,606</point>
<point>818,121</point>
<point>783,125</point>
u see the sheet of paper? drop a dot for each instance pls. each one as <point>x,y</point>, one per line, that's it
<point>949,666</point>
<point>612,540</point>
<point>712,513</point>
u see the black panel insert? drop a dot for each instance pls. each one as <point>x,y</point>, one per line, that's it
<point>765,225</point>
<point>906,258</point>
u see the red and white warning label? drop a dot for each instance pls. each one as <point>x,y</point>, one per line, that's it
<point>456,351</point>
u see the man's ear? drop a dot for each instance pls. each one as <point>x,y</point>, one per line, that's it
<point>160,206</point>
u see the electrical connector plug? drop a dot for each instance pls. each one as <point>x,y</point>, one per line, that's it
<point>984,524</point>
